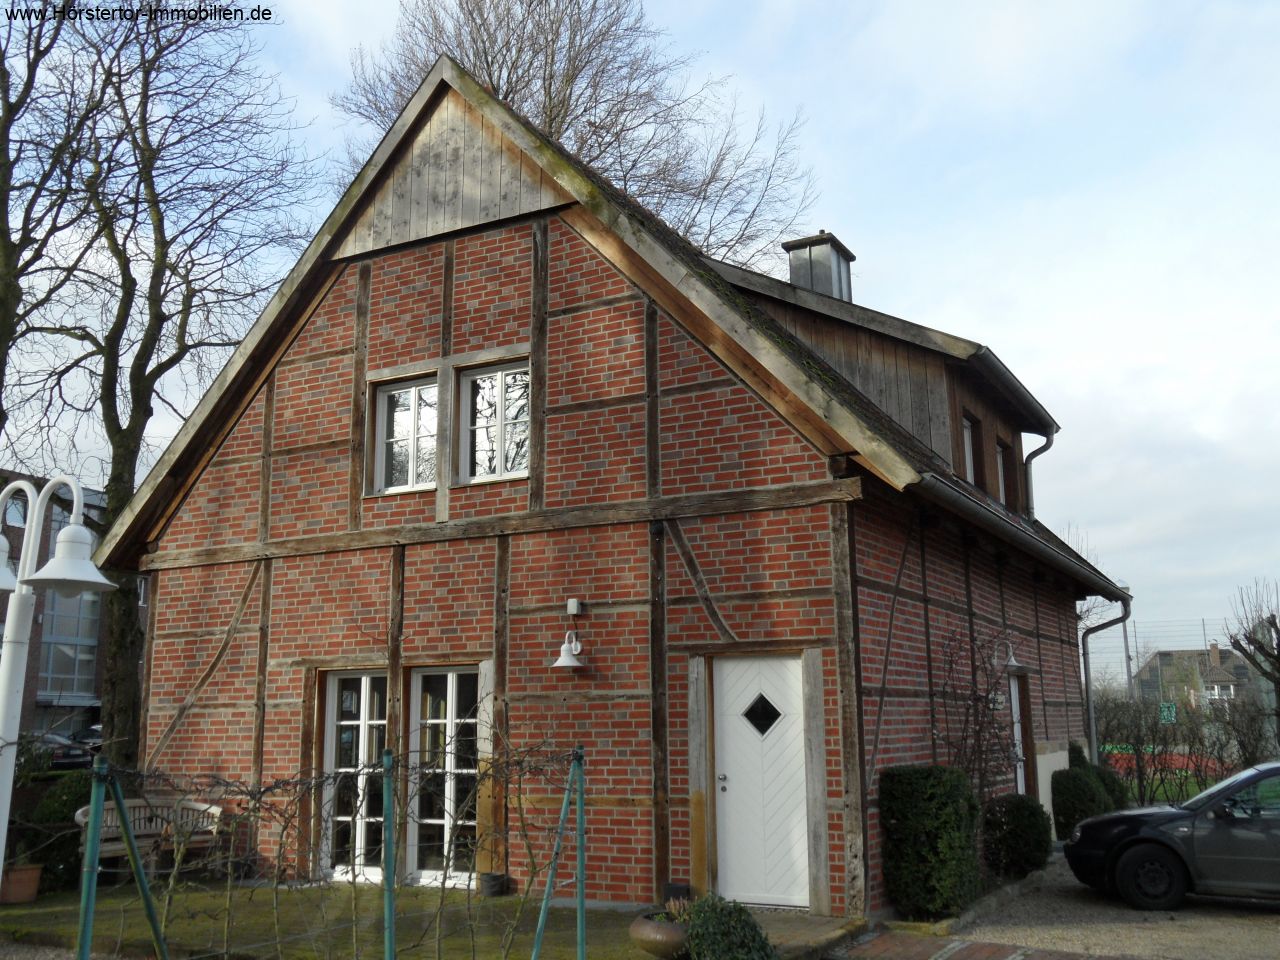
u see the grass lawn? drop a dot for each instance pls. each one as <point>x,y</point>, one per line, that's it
<point>334,922</point>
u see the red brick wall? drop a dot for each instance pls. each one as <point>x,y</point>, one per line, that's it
<point>770,572</point>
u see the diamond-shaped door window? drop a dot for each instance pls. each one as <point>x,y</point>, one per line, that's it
<point>762,714</point>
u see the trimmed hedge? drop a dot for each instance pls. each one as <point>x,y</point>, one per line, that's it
<point>1017,837</point>
<point>929,818</point>
<point>1077,795</point>
<point>721,929</point>
<point>1107,778</point>
<point>54,817</point>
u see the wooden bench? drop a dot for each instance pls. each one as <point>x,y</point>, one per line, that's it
<point>157,826</point>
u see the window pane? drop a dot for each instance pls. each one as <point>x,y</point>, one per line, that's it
<point>377,698</point>
<point>349,698</point>
<point>483,403</point>
<point>346,754</point>
<point>372,844</point>
<point>517,395</point>
<point>464,797</point>
<point>468,692</point>
<point>431,797</point>
<point>399,418</point>
<point>342,843</point>
<point>516,442</point>
<point>464,747</point>
<point>64,659</point>
<point>435,688</point>
<point>425,467</point>
<point>377,740</point>
<point>15,512</point>
<point>344,795</point>
<point>373,795</point>
<point>431,846</point>
<point>431,750</point>
<point>464,844</point>
<point>396,466</point>
<point>484,452</point>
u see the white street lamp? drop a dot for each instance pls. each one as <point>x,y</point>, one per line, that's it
<point>70,572</point>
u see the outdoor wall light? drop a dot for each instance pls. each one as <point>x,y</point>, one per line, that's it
<point>1012,666</point>
<point>572,646</point>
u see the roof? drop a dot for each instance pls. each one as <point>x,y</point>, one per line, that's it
<point>703,296</point>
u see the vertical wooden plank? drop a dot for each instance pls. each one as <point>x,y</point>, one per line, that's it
<point>446,451</point>
<point>419,184</point>
<point>396,714</point>
<point>919,395</point>
<point>499,719</point>
<point>652,417</point>
<point>509,182</point>
<point>446,390</point>
<point>268,441</point>
<point>939,407</point>
<point>473,149</point>
<point>658,713</point>
<point>490,172</point>
<point>538,368</point>
<point>849,680</point>
<point>359,447</point>
<point>700,838</point>
<point>398,187</point>
<point>453,161</point>
<point>436,164</point>
<point>310,763</point>
<point>260,679</point>
<point>815,776</point>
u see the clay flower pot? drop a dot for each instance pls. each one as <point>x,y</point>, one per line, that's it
<point>20,883</point>
<point>664,939</point>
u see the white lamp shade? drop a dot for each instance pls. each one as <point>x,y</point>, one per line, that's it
<point>71,572</point>
<point>569,651</point>
<point>8,582</point>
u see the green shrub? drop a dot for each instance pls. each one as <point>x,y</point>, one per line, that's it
<point>1112,785</point>
<point>1017,837</point>
<point>929,819</point>
<point>1077,795</point>
<point>59,838</point>
<point>722,929</point>
<point>1077,759</point>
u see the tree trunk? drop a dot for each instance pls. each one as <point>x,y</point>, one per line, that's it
<point>122,686</point>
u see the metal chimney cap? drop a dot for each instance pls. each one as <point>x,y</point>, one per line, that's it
<point>818,238</point>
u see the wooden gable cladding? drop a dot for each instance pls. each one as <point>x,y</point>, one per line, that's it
<point>906,381</point>
<point>454,172</point>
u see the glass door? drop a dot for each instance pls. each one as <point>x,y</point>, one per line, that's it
<point>444,750</point>
<point>356,727</point>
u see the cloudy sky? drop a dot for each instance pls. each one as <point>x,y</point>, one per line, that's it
<point>1089,188</point>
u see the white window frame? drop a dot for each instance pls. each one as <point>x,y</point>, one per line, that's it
<point>967,425</point>
<point>451,725</point>
<point>1002,451</point>
<point>417,436</point>
<point>367,766</point>
<point>468,426</point>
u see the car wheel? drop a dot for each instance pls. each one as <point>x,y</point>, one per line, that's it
<point>1151,877</point>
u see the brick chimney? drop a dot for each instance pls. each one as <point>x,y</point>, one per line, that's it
<point>820,263</point>
<point>1215,656</point>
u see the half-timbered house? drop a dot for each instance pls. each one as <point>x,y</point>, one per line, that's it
<point>493,385</point>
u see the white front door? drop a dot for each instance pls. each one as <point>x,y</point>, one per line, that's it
<point>1019,761</point>
<point>761,835</point>
<point>355,733</point>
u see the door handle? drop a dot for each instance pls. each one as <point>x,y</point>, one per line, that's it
<point>722,778</point>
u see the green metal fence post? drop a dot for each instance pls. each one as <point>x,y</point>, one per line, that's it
<point>89,868</point>
<point>551,873</point>
<point>139,875</point>
<point>388,860</point>
<point>579,756</point>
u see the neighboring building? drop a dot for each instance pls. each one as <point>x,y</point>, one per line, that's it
<point>492,385</point>
<point>1196,677</point>
<point>64,672</point>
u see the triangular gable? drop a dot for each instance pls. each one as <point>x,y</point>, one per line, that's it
<point>454,171</point>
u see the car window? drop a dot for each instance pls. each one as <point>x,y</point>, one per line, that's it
<point>1258,800</point>
<point>1218,791</point>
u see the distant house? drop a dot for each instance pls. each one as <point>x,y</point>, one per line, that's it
<point>1198,677</point>
<point>63,688</point>
<point>496,401</point>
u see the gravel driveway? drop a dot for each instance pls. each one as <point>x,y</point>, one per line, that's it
<point>1063,914</point>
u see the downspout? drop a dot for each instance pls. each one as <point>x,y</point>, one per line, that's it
<point>1088,683</point>
<point>1026,464</point>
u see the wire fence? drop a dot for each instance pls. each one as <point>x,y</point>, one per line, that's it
<point>293,867</point>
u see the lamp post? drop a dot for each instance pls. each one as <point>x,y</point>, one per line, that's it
<point>70,572</point>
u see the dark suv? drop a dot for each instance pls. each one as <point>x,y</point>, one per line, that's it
<point>1225,841</point>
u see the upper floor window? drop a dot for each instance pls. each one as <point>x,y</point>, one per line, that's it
<point>972,440</point>
<point>495,423</point>
<point>406,454</point>
<point>1002,469</point>
<point>15,512</point>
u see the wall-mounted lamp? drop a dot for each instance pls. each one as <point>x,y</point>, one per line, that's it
<point>1011,666</point>
<point>572,646</point>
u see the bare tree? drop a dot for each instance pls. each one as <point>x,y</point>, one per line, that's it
<point>596,76</point>
<point>1255,635</point>
<point>48,97</point>
<point>192,185</point>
